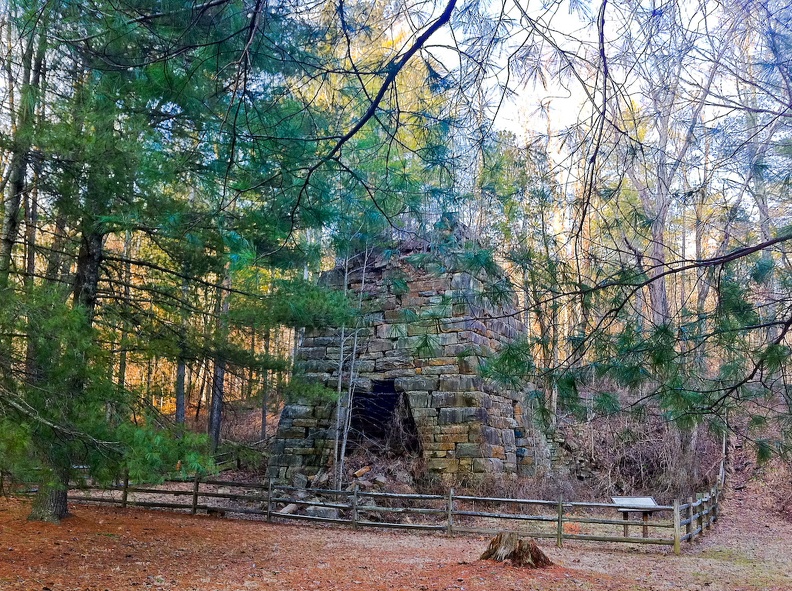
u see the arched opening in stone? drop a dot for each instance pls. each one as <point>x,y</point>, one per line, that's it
<point>382,419</point>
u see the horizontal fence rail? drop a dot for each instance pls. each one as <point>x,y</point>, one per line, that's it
<point>560,520</point>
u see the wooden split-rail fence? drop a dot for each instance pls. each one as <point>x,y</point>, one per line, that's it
<point>561,520</point>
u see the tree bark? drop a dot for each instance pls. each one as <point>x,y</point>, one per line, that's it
<point>51,501</point>
<point>520,551</point>
<point>89,260</point>
<point>216,406</point>
<point>181,372</point>
<point>265,384</point>
<point>218,377</point>
<point>23,141</point>
<point>181,362</point>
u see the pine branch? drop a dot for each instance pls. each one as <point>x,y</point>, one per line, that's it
<point>23,407</point>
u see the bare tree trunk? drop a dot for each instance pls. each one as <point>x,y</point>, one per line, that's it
<point>51,502</point>
<point>658,291</point>
<point>23,124</point>
<point>23,141</point>
<point>181,362</point>
<point>220,362</point>
<point>251,373</point>
<point>33,369</point>
<point>265,387</point>
<point>352,378</point>
<point>216,407</point>
<point>89,260</point>
<point>181,407</point>
<point>55,258</point>
<point>31,219</point>
<point>203,380</point>
<point>124,340</point>
<point>340,416</point>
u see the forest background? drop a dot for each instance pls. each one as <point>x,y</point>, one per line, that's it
<point>176,174</point>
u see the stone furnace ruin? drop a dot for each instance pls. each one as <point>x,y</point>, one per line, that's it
<point>414,362</point>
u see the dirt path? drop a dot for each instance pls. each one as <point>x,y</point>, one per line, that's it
<point>101,548</point>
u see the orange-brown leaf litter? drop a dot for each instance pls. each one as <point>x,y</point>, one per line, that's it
<point>105,548</point>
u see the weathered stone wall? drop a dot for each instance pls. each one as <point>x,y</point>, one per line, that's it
<point>428,333</point>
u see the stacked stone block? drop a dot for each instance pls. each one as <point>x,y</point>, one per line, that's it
<point>428,333</point>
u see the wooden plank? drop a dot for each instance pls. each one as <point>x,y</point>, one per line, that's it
<point>450,516</point>
<point>229,496</point>
<point>416,510</point>
<point>299,517</point>
<point>231,483</point>
<point>595,520</point>
<point>246,511</point>
<point>402,525</point>
<point>707,511</point>
<point>593,538</point>
<point>700,520</point>
<point>331,491</point>
<point>504,500</point>
<point>591,505</point>
<point>355,507</point>
<point>361,523</point>
<point>560,526</point>
<point>108,500</point>
<point>402,496</point>
<point>163,505</point>
<point>269,501</point>
<point>491,531</point>
<point>158,491</point>
<point>125,492</point>
<point>196,487</point>
<point>510,516</point>
<point>306,503</point>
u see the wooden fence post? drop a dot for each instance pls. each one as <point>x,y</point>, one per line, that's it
<point>700,513</point>
<point>450,512</point>
<point>269,501</point>
<point>677,528</point>
<point>716,504</point>
<point>125,491</point>
<point>196,485</point>
<point>689,518</point>
<point>709,510</point>
<point>560,527</point>
<point>355,507</point>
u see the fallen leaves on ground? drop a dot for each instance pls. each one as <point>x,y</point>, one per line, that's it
<point>106,548</point>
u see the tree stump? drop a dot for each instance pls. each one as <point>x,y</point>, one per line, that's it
<point>521,551</point>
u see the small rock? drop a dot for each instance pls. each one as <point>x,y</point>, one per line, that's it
<point>300,480</point>
<point>403,477</point>
<point>320,479</point>
<point>326,512</point>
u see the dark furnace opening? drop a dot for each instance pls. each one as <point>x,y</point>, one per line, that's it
<point>382,418</point>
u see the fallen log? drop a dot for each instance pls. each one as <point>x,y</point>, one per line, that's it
<point>520,551</point>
